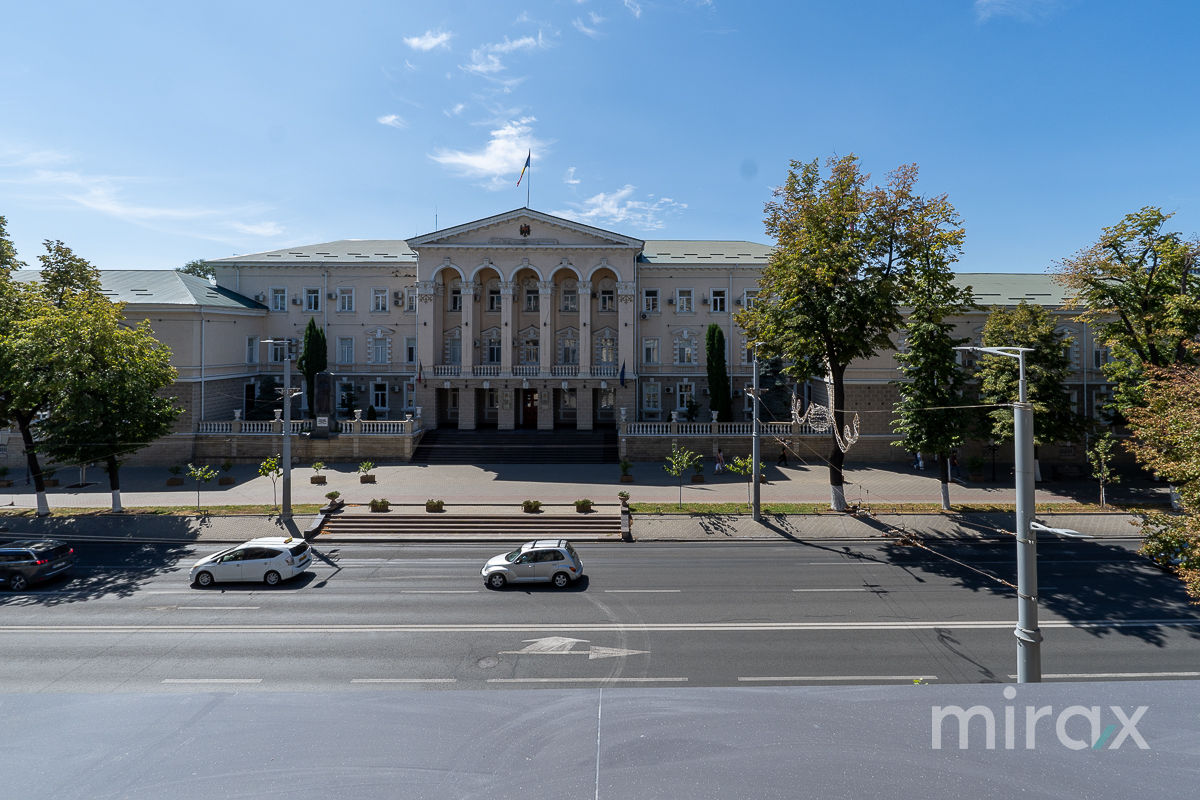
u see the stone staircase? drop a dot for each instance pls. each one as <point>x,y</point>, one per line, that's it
<point>467,526</point>
<point>453,446</point>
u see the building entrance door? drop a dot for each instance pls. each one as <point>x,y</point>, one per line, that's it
<point>527,408</point>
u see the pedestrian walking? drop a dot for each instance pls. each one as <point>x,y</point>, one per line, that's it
<point>720,467</point>
<point>782,461</point>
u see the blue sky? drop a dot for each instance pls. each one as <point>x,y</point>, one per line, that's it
<point>148,134</point>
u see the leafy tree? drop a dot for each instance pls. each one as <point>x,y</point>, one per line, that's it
<point>1139,287</point>
<point>933,383</point>
<point>109,383</point>
<point>831,292</point>
<point>198,267</point>
<point>200,474</point>
<point>744,466</point>
<point>1047,370</point>
<point>718,376</point>
<point>1166,439</point>
<point>8,253</point>
<point>1100,458</point>
<point>314,358</point>
<point>65,274</point>
<point>271,469</point>
<point>679,461</point>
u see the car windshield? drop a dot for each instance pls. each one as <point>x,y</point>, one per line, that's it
<point>511,557</point>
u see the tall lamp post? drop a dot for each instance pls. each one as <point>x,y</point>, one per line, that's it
<point>285,513</point>
<point>755,449</point>
<point>1029,636</point>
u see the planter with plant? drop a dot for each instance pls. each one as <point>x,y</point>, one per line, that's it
<point>698,474</point>
<point>318,478</point>
<point>624,498</point>
<point>435,506</point>
<point>531,506</point>
<point>50,480</point>
<point>379,505</point>
<point>625,467</point>
<point>335,502</point>
<point>364,472</point>
<point>975,469</point>
<point>176,478</point>
<point>583,506</point>
<point>226,480</point>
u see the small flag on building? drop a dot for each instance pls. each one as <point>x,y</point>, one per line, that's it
<point>522,175</point>
<point>622,374</point>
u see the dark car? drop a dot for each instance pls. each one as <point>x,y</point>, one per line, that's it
<point>31,560</point>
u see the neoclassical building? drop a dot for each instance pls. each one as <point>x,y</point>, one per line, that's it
<point>522,320</point>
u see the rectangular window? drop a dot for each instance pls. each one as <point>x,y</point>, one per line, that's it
<point>379,350</point>
<point>379,300</point>
<point>529,351</point>
<point>751,297</point>
<point>491,351</point>
<point>652,397</point>
<point>456,299</point>
<point>251,349</point>
<point>277,352</point>
<point>410,299</point>
<point>410,350</point>
<point>608,300</point>
<point>531,299</point>
<point>312,300</point>
<point>683,301</point>
<point>494,302</point>
<point>570,299</point>
<point>684,392</point>
<point>718,300</point>
<point>492,399</point>
<point>345,299</point>
<point>452,350</point>
<point>606,351</point>
<point>685,351</point>
<point>568,349</point>
<point>650,301</point>
<point>379,395</point>
<point>410,394</point>
<point>345,350</point>
<point>649,351</point>
<point>278,299</point>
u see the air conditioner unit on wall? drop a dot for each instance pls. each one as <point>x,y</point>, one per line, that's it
<point>397,302</point>
<point>332,296</point>
<point>295,301</point>
<point>397,295</point>
<point>260,297</point>
<point>670,301</point>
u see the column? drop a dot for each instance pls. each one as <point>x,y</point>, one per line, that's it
<point>546,407</point>
<point>508,334</point>
<point>546,338</point>
<point>506,420</point>
<point>626,330</point>
<point>429,340</point>
<point>466,408</point>
<point>470,291</point>
<point>585,329</point>
<point>584,406</point>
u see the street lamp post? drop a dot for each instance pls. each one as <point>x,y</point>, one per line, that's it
<point>755,450</point>
<point>285,514</point>
<point>1029,636</point>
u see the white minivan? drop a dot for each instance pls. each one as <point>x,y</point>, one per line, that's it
<point>271,559</point>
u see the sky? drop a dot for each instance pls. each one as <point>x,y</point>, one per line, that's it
<point>148,134</point>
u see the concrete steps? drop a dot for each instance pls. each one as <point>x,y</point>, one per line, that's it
<point>466,526</point>
<point>452,446</point>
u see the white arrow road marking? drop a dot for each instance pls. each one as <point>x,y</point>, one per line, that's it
<point>562,646</point>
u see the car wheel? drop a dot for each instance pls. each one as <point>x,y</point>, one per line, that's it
<point>496,581</point>
<point>18,583</point>
<point>204,579</point>
<point>560,580</point>
<point>272,578</point>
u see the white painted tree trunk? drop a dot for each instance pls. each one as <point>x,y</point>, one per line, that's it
<point>837,498</point>
<point>945,497</point>
<point>116,501</point>
<point>43,507</point>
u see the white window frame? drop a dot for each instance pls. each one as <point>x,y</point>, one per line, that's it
<point>683,390</point>
<point>683,301</point>
<point>608,300</point>
<point>568,346</point>
<point>569,300</point>
<point>410,349</point>
<point>410,299</point>
<point>345,350</point>
<point>312,299</point>
<point>533,301</point>
<point>456,298</point>
<point>683,349</point>
<point>652,397</point>
<point>749,298</point>
<point>345,299</point>
<point>277,351</point>
<point>379,390</point>
<point>278,296</point>
<point>251,349</point>
<point>410,394</point>
<point>495,301</point>
<point>379,299</point>
<point>376,346</point>
<point>650,301</point>
<point>651,342</point>
<point>717,300</point>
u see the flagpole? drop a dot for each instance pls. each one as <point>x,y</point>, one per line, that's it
<point>528,182</point>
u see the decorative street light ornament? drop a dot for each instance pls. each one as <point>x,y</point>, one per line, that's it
<point>822,419</point>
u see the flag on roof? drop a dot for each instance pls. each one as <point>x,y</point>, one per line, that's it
<point>522,175</point>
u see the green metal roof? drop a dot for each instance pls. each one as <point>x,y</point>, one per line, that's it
<point>1010,288</point>
<point>160,287</point>
<point>661,252</point>
<point>343,251</point>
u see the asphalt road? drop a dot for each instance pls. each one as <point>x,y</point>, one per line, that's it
<point>665,615</point>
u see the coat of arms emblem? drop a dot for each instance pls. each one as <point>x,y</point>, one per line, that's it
<point>525,230</point>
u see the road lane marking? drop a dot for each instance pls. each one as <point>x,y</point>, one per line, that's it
<point>549,627</point>
<point>643,591</point>
<point>403,680</point>
<point>856,589</point>
<point>831,678</point>
<point>211,680</point>
<point>1109,675</point>
<point>215,608</point>
<point>587,680</point>
<point>439,591</point>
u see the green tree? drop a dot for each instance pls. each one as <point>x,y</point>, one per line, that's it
<point>271,469</point>
<point>831,293</point>
<point>314,358</point>
<point>1166,440</point>
<point>1139,288</point>
<point>65,274</point>
<point>1100,458</point>
<point>200,474</point>
<point>110,384</point>
<point>8,253</point>
<point>679,461</point>
<point>744,466</point>
<point>198,267</point>
<point>932,381</point>
<point>718,376</point>
<point>1047,370</point>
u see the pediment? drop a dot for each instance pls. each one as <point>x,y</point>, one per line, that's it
<point>523,228</point>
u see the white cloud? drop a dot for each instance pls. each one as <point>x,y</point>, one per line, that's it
<point>258,229</point>
<point>1024,10</point>
<point>485,60</point>
<point>392,121</point>
<point>583,28</point>
<point>456,110</point>
<point>14,158</point>
<point>634,7</point>
<point>618,208</point>
<point>428,40</point>
<point>570,178</point>
<point>498,160</point>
